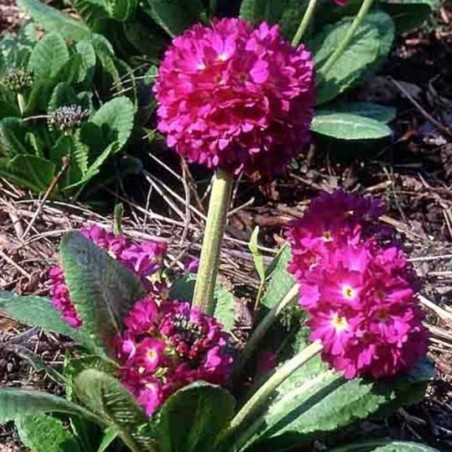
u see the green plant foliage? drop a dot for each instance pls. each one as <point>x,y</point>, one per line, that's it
<point>50,127</point>
<point>280,280</point>
<point>176,15</point>
<point>363,56</point>
<point>347,126</point>
<point>315,401</point>
<point>43,433</point>
<point>53,20</point>
<point>193,418</point>
<point>384,446</point>
<point>16,403</point>
<point>183,288</point>
<point>109,400</point>
<point>101,288</point>
<point>258,10</point>
<point>409,14</point>
<point>38,311</point>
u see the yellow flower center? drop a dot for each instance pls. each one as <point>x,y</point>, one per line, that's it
<point>327,236</point>
<point>340,323</point>
<point>151,355</point>
<point>348,291</point>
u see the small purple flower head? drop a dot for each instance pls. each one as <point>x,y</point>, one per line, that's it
<point>166,347</point>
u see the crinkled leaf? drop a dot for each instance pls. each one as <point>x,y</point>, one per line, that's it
<point>53,20</point>
<point>12,137</point>
<point>48,56</point>
<point>409,14</point>
<point>102,289</point>
<point>258,10</point>
<point>384,446</point>
<point>122,10</point>
<point>314,401</point>
<point>63,95</point>
<point>42,433</point>
<point>88,65</point>
<point>183,289</point>
<point>347,126</point>
<point>16,403</point>
<point>368,48</point>
<point>109,400</point>
<point>175,16</point>
<point>192,419</point>
<point>116,120</point>
<point>39,311</point>
<point>369,110</point>
<point>29,171</point>
<point>281,281</point>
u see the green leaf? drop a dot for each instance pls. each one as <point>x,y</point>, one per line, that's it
<point>29,171</point>
<point>53,20</point>
<point>122,10</point>
<point>384,446</point>
<point>48,57</point>
<point>368,48</point>
<point>8,109</point>
<point>192,419</point>
<point>109,400</point>
<point>175,16</point>
<point>369,110</point>
<point>348,126</point>
<point>39,97</point>
<point>70,71</point>
<point>102,289</point>
<point>281,280</point>
<point>402,446</point>
<point>183,289</point>
<point>43,433</point>
<point>258,10</point>
<point>314,401</point>
<point>257,255</point>
<point>409,14</point>
<point>16,403</point>
<point>109,437</point>
<point>69,147</point>
<point>292,15</point>
<point>116,120</point>
<point>88,66</point>
<point>91,11</point>
<point>38,311</point>
<point>12,137</point>
<point>224,307</point>
<point>62,95</point>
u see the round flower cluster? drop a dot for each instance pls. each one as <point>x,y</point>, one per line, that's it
<point>165,347</point>
<point>235,97</point>
<point>144,259</point>
<point>359,294</point>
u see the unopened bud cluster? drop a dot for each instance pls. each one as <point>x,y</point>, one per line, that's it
<point>16,80</point>
<point>68,117</point>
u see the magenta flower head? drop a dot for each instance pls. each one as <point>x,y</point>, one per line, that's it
<point>359,295</point>
<point>165,347</point>
<point>332,219</point>
<point>364,311</point>
<point>144,259</point>
<point>236,98</point>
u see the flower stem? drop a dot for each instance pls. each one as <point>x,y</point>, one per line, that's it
<point>21,102</point>
<point>304,22</point>
<point>264,326</point>
<point>211,246</point>
<point>340,49</point>
<point>265,391</point>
